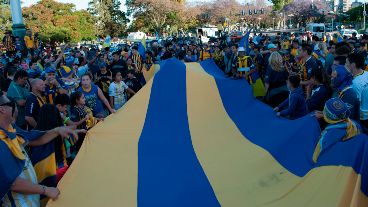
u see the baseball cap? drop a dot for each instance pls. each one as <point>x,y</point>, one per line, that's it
<point>272,46</point>
<point>50,70</point>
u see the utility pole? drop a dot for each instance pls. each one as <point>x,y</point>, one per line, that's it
<point>364,14</point>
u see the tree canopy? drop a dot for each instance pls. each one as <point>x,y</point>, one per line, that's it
<point>59,21</point>
<point>110,19</point>
<point>356,14</point>
<point>5,18</point>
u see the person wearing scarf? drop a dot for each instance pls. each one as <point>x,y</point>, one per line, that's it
<point>8,42</point>
<point>341,127</point>
<point>137,60</point>
<point>18,181</point>
<point>341,81</point>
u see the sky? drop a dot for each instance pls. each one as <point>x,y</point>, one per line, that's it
<point>80,4</point>
<point>83,4</point>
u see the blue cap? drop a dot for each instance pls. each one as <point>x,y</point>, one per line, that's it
<point>272,46</point>
<point>102,65</point>
<point>50,70</point>
<point>336,111</point>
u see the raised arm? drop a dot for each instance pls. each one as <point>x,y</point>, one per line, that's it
<point>64,132</point>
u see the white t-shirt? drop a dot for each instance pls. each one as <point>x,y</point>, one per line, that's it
<point>364,104</point>
<point>360,82</point>
<point>117,90</point>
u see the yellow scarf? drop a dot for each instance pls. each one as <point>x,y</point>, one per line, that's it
<point>243,62</point>
<point>13,144</point>
<point>351,131</point>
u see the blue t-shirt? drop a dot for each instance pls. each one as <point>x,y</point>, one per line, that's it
<point>92,100</point>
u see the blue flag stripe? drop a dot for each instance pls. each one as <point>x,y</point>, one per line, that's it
<point>169,173</point>
<point>291,143</point>
<point>280,137</point>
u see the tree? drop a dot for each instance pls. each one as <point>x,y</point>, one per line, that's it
<point>305,11</point>
<point>279,4</point>
<point>157,13</point>
<point>59,21</point>
<point>110,19</point>
<point>5,19</point>
<point>356,14</point>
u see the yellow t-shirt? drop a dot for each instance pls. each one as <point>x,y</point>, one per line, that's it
<point>294,52</point>
<point>29,42</point>
<point>285,45</point>
<point>205,54</point>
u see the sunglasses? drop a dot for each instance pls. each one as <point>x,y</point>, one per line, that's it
<point>10,104</point>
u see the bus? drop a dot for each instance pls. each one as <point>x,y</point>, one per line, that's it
<point>205,33</point>
<point>317,29</point>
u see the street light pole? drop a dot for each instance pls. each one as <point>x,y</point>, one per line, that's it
<point>364,14</point>
<point>18,26</point>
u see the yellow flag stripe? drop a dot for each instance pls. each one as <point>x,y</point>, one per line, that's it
<point>107,166</point>
<point>243,174</point>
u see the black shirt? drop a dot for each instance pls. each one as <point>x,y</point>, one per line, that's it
<point>103,82</point>
<point>33,106</point>
<point>77,114</point>
<point>133,84</point>
<point>118,66</point>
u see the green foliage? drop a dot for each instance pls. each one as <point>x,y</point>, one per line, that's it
<point>5,19</point>
<point>59,22</point>
<point>355,14</point>
<point>110,19</point>
<point>279,4</point>
<point>156,15</point>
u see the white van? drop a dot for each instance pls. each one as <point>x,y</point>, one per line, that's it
<point>318,29</point>
<point>349,33</point>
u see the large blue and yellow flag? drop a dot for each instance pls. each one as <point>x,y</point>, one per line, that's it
<point>192,137</point>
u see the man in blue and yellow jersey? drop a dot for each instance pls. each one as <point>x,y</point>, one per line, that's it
<point>19,185</point>
<point>54,85</point>
<point>206,53</point>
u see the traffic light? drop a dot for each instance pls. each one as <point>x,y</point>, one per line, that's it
<point>250,12</point>
<point>262,11</point>
<point>255,11</point>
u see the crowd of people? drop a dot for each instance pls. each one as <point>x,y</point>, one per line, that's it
<point>66,90</point>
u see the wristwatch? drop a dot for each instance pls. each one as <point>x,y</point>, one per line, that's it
<point>43,190</point>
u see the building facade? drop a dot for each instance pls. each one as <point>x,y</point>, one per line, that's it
<point>356,4</point>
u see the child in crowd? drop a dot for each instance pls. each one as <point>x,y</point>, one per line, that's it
<point>294,107</point>
<point>117,92</point>
<point>103,79</point>
<point>244,63</point>
<point>132,82</point>
<point>80,113</point>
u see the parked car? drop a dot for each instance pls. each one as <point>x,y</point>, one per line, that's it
<point>349,33</point>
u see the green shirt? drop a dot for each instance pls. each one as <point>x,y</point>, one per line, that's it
<point>15,93</point>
